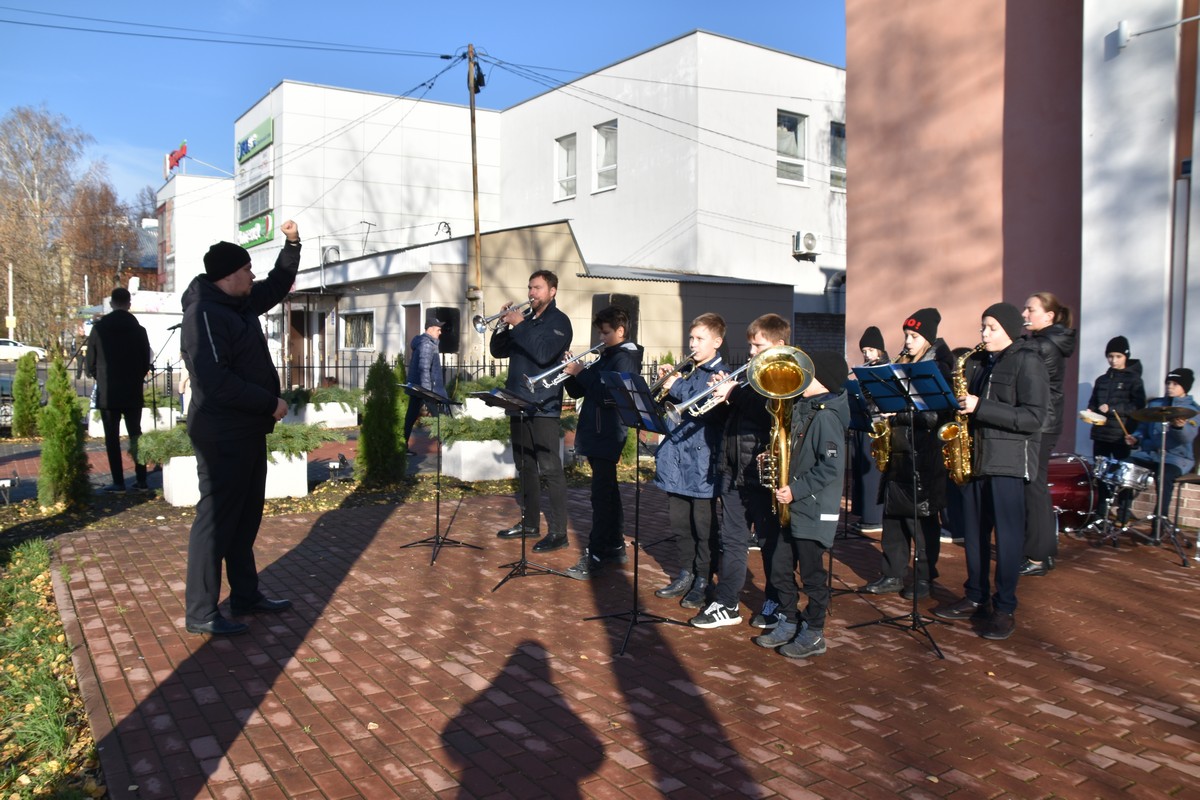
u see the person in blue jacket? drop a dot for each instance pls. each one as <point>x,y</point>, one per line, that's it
<point>1147,440</point>
<point>686,464</point>
<point>424,370</point>
<point>601,437</point>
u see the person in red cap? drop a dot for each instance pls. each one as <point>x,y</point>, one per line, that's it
<point>235,404</point>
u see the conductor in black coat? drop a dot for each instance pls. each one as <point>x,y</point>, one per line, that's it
<point>235,404</point>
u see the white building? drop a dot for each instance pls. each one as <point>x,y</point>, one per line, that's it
<point>193,212</point>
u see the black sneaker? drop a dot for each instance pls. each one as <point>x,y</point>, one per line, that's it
<point>588,567</point>
<point>617,556</point>
<point>717,616</point>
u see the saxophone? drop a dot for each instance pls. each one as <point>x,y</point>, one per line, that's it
<point>881,442</point>
<point>956,435</point>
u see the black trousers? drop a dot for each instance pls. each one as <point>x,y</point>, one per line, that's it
<point>535,443</point>
<point>1114,450</point>
<point>864,480</point>
<point>608,516</point>
<point>233,480</point>
<point>111,419</point>
<point>809,556</point>
<point>693,522</point>
<point>743,508</point>
<point>994,503</point>
<point>1041,530</point>
<point>898,534</point>
<point>1163,505</point>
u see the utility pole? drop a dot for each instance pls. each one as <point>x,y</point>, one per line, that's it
<point>10,320</point>
<point>366,234</point>
<point>475,289</point>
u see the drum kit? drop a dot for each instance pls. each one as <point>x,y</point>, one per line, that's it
<point>1076,483</point>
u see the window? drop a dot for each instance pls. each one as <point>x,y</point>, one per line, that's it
<point>606,155</point>
<point>790,150</point>
<point>358,331</point>
<point>837,155</point>
<point>564,167</point>
<point>254,203</point>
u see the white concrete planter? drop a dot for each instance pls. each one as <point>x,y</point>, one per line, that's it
<point>334,415</point>
<point>287,477</point>
<point>490,460</point>
<point>166,419</point>
<point>477,409</point>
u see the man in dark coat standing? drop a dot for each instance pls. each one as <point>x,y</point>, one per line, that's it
<point>424,370</point>
<point>235,404</point>
<point>118,357</point>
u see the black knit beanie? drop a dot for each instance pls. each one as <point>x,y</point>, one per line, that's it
<point>872,337</point>
<point>1184,377</point>
<point>1009,318</point>
<point>925,322</point>
<point>1117,344</point>
<point>224,258</point>
<point>829,369</point>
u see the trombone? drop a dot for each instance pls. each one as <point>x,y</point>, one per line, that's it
<point>531,381</point>
<point>684,367</point>
<point>481,322</point>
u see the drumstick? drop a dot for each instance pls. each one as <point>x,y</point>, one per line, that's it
<point>1119,422</point>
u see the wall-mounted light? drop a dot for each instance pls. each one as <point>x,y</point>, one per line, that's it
<point>1124,34</point>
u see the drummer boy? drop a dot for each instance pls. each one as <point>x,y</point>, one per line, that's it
<point>1168,419</point>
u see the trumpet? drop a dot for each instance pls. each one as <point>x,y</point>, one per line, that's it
<point>675,412</point>
<point>481,322</point>
<point>531,381</point>
<point>685,367</point>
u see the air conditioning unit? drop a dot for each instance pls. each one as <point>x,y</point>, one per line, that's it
<point>330,254</point>
<point>806,243</point>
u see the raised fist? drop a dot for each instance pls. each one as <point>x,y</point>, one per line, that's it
<point>290,230</point>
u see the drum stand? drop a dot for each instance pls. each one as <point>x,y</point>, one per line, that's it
<point>1166,528</point>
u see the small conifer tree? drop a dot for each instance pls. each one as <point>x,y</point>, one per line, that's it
<point>64,473</point>
<point>379,456</point>
<point>27,397</point>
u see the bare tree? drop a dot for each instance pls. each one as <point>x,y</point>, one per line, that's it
<point>38,154</point>
<point>145,205</point>
<point>99,237</point>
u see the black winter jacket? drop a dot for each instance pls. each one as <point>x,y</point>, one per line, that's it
<point>118,357</point>
<point>531,348</point>
<point>747,434</point>
<point>1122,391</point>
<point>816,465</point>
<point>235,385</point>
<point>1054,345</point>
<point>600,433</point>
<point>896,489</point>
<point>1014,399</point>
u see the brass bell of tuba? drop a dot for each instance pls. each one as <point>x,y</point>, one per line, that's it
<point>780,373</point>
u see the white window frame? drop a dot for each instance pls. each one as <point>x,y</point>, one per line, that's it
<point>604,179</point>
<point>255,202</point>
<point>345,319</point>
<point>837,174</point>
<point>566,167</point>
<point>787,162</point>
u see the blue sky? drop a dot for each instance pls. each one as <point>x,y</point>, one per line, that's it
<point>139,96</point>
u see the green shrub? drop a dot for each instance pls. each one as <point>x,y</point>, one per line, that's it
<point>27,397</point>
<point>321,395</point>
<point>381,458</point>
<point>460,386</point>
<point>64,472</point>
<point>292,439</point>
<point>469,429</point>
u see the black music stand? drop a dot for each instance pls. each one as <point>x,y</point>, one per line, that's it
<point>437,541</point>
<point>896,388</point>
<point>509,401</point>
<point>637,410</point>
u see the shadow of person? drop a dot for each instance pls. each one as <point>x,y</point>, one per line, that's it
<point>507,721</point>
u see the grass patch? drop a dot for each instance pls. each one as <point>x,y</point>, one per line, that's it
<point>46,745</point>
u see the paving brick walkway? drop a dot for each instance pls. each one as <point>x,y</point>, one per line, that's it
<point>392,677</point>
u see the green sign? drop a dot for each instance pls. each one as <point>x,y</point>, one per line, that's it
<point>259,138</point>
<point>256,231</point>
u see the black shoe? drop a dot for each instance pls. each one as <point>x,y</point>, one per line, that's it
<point>115,487</point>
<point>922,591</point>
<point>884,585</point>
<point>963,609</point>
<point>1000,626</point>
<point>264,605</point>
<point>617,556</point>
<point>516,532</point>
<point>696,597</point>
<point>588,567</point>
<point>1032,569</point>
<point>551,541</point>
<point>677,587</point>
<point>141,486</point>
<point>217,627</point>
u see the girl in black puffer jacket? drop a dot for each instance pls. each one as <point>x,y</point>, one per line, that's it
<point>1118,391</point>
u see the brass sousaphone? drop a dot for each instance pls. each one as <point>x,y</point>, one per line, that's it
<point>780,373</point>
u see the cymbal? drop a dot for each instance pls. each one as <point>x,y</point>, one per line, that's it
<point>1162,413</point>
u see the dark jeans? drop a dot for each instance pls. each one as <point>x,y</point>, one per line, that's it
<point>865,478</point>
<point>535,443</point>
<point>809,556</point>
<point>608,516</point>
<point>111,418</point>
<point>415,404</point>
<point>693,522</point>
<point>233,479</point>
<point>1163,505</point>
<point>743,507</point>
<point>898,533</point>
<point>1041,531</point>
<point>994,503</point>
<point>1113,450</point>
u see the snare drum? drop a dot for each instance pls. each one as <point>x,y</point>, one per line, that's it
<point>1105,469</point>
<point>1131,476</point>
<point>1072,491</point>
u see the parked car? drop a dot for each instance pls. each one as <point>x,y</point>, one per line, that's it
<point>11,350</point>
